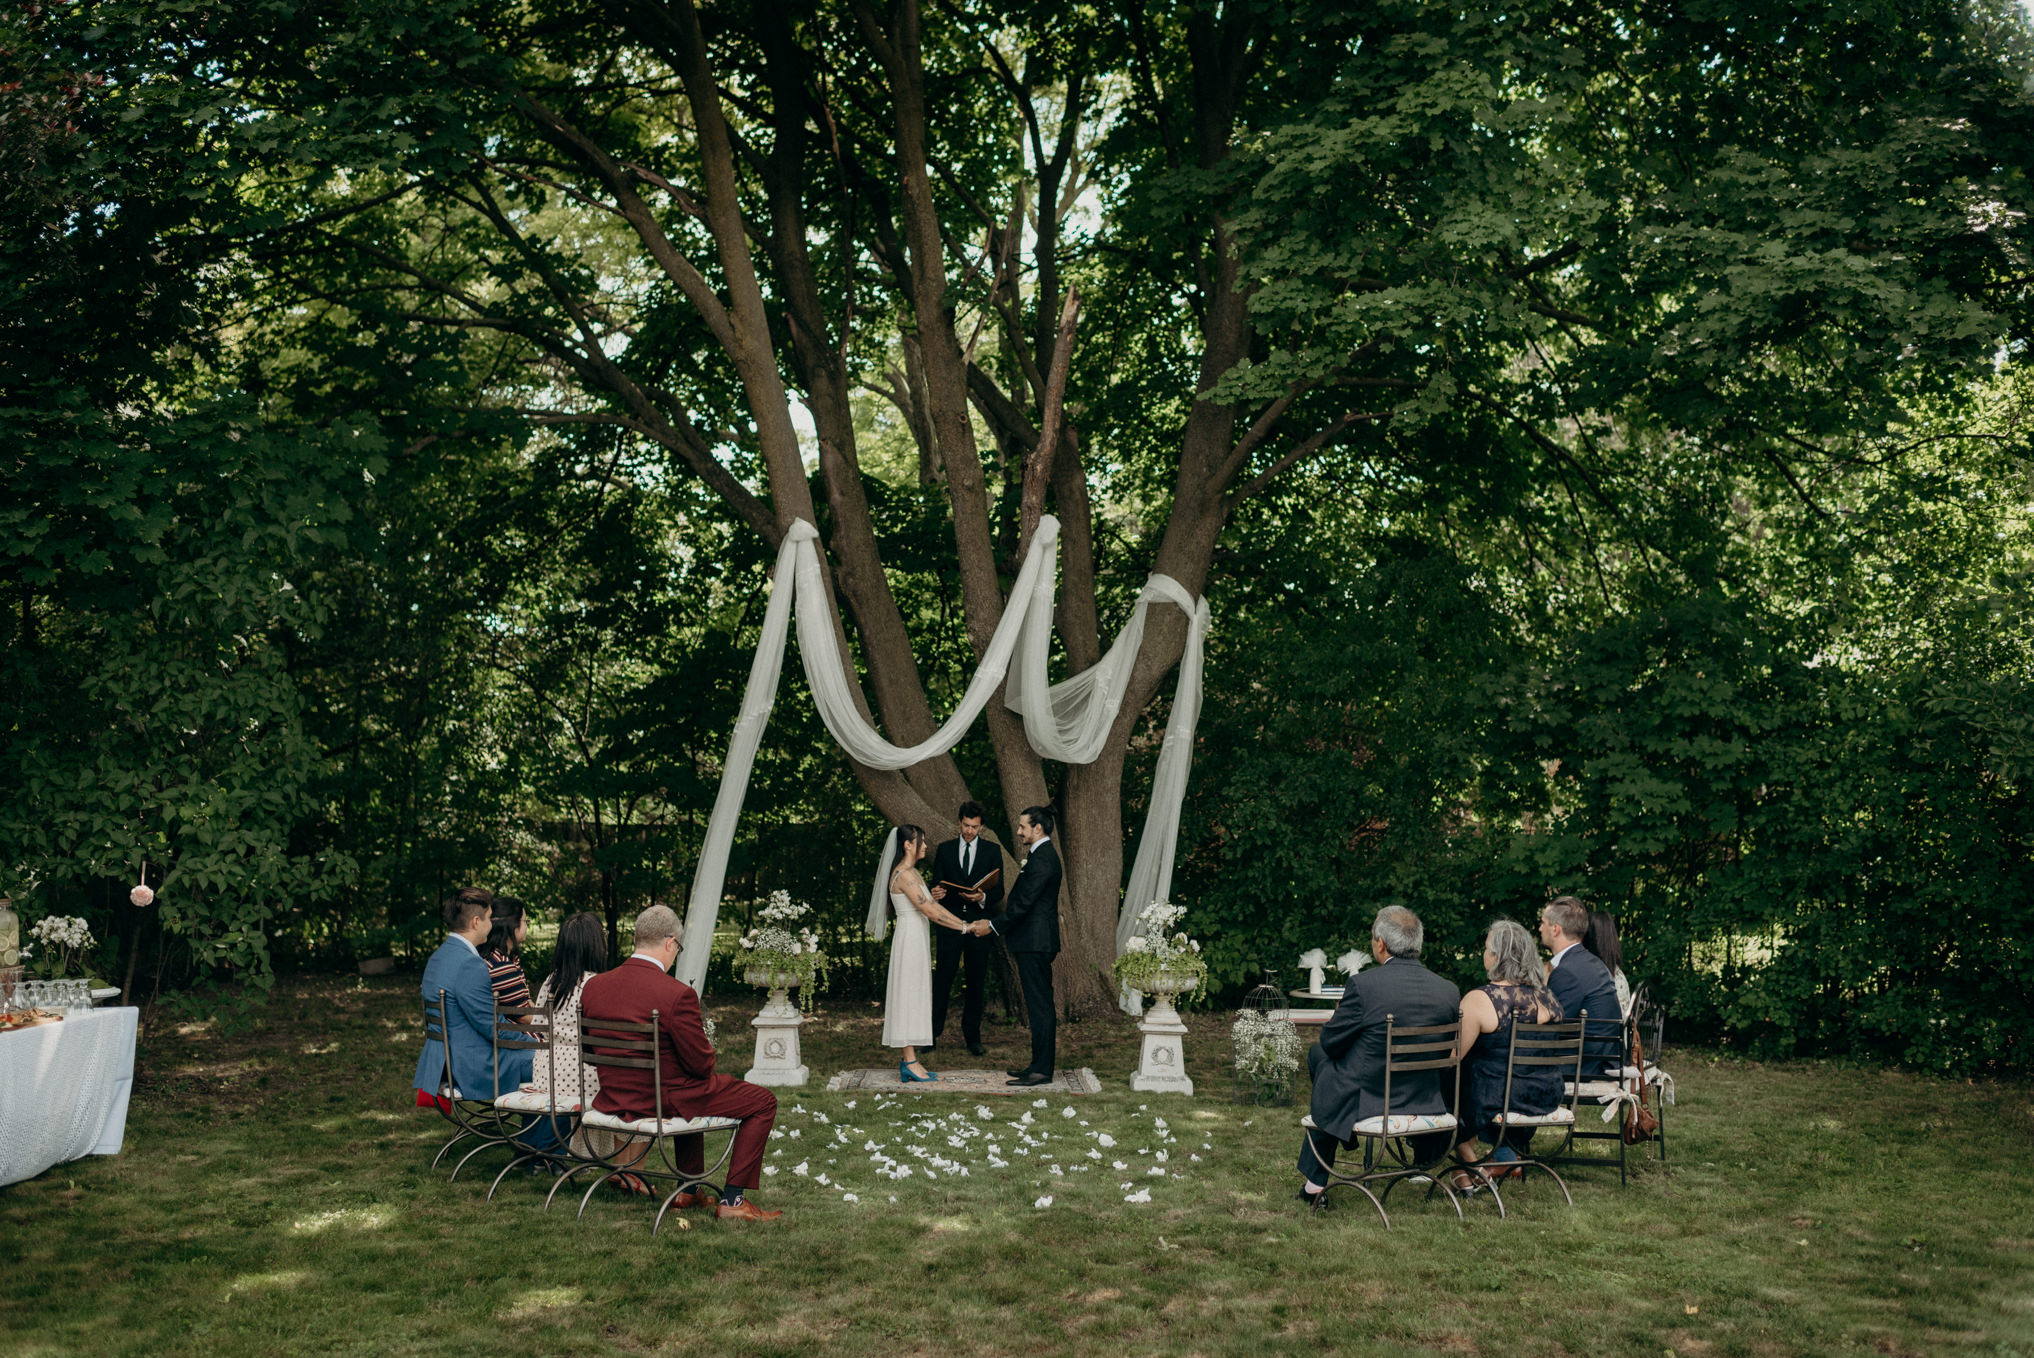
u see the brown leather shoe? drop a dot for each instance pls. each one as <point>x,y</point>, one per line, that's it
<point>686,1201</point>
<point>744,1211</point>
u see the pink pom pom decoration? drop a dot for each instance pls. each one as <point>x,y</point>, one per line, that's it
<point>141,895</point>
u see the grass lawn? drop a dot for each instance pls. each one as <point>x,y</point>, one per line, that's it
<point>275,1197</point>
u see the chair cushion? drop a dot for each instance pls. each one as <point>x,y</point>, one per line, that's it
<point>1402,1124</point>
<point>1601,1090</point>
<point>1560,1117</point>
<point>526,1101</point>
<point>1405,1124</point>
<point>608,1122</point>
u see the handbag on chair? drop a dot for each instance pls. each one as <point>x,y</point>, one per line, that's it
<point>1640,1122</point>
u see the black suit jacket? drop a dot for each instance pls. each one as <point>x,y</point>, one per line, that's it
<point>1349,1080</point>
<point>1583,982</point>
<point>946,868</point>
<point>1030,921</point>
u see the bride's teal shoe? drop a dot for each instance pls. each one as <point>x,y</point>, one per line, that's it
<point>904,1074</point>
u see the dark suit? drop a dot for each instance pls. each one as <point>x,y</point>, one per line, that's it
<point>1347,1064</point>
<point>1030,928</point>
<point>1583,982</point>
<point>956,948</point>
<point>685,1063</point>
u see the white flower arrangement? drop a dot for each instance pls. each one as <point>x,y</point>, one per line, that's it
<point>64,940</point>
<point>1265,1048</point>
<point>781,944</point>
<point>1160,950</point>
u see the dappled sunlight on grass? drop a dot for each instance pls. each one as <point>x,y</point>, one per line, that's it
<point>281,1280</point>
<point>541,1302</point>
<point>345,1218</point>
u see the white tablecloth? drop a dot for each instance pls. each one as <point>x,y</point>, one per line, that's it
<point>64,1089</point>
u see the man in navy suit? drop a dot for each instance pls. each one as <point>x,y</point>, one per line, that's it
<point>1581,982</point>
<point>456,969</point>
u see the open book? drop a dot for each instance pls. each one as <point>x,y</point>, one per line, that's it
<point>982,885</point>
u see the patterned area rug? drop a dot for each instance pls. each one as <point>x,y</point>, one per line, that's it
<point>973,1083</point>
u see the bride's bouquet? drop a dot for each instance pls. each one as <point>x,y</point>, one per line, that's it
<point>1161,957</point>
<point>781,946</point>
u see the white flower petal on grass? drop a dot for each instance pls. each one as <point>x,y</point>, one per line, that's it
<point>1045,1201</point>
<point>1155,1172</point>
<point>893,1197</point>
<point>802,1167</point>
<point>1196,1158</point>
<point>1094,1155</point>
<point>1126,1184</point>
<point>1067,1111</point>
<point>1160,1157</point>
<point>769,1169</point>
<point>1141,1195</point>
<point>849,1197</point>
<point>1206,1146</point>
<point>1104,1140</point>
<point>1158,1123</point>
<point>1038,1103</point>
<point>850,1103</point>
<point>982,1112</point>
<point>994,1163</point>
<point>1118,1166</point>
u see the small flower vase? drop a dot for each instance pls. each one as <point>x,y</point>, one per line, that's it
<point>1162,1067</point>
<point>778,1062</point>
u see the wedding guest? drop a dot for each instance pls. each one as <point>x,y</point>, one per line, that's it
<point>1583,985</point>
<point>1602,940</point>
<point>1347,1064</point>
<point>581,956</point>
<point>632,992</point>
<point>1517,992</point>
<point>456,969</point>
<point>503,952</point>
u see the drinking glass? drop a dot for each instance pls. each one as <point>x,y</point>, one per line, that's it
<point>79,999</point>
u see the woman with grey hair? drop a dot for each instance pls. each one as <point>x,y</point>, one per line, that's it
<point>1517,990</point>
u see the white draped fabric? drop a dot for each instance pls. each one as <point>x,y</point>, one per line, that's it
<point>64,1089</point>
<point>1068,721</point>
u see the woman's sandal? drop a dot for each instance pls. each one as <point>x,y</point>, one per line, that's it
<point>1467,1181</point>
<point>629,1183</point>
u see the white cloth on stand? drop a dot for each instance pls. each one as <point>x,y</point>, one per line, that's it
<point>1068,721</point>
<point>64,1089</point>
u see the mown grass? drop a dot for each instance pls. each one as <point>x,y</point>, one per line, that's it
<point>275,1197</point>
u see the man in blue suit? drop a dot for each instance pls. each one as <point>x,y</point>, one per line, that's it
<point>1581,982</point>
<point>457,970</point>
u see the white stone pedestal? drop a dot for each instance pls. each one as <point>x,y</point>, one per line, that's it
<point>1162,1069</point>
<point>777,1060</point>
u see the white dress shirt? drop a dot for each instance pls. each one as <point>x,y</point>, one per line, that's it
<point>1561,954</point>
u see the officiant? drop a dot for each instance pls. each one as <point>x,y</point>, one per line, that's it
<point>959,869</point>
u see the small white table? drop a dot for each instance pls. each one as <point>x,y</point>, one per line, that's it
<point>64,1089</point>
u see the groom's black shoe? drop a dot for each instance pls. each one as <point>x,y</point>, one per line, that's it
<point>1032,1079</point>
<point>1020,1072</point>
<point>977,1049</point>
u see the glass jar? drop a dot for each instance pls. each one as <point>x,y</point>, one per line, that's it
<point>10,934</point>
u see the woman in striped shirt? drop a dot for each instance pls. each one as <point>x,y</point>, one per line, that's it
<point>503,952</point>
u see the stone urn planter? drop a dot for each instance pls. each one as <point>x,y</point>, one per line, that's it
<point>1161,1069</point>
<point>778,1062</point>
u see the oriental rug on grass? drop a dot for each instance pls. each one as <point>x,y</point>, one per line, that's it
<point>973,1083</point>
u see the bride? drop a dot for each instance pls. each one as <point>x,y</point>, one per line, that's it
<point>907,1004</point>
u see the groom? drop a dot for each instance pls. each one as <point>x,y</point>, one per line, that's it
<point>1030,928</point>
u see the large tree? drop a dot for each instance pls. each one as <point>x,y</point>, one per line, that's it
<point>1137,263</point>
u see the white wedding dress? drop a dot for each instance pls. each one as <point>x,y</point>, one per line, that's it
<point>907,1001</point>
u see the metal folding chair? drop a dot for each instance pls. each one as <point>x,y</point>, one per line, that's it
<point>1614,1092</point>
<point>530,1027</point>
<point>471,1117</point>
<point>1386,1136</point>
<point>627,1044</point>
<point>1537,1046</point>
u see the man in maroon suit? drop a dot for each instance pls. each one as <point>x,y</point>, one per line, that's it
<point>685,1060</point>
